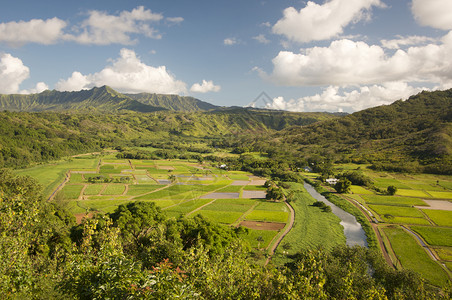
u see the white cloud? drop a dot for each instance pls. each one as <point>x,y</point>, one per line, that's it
<point>40,87</point>
<point>230,41</point>
<point>12,73</point>
<point>346,63</point>
<point>434,13</point>
<point>34,31</point>
<point>317,22</point>
<point>334,98</point>
<point>175,20</point>
<point>76,82</point>
<point>102,29</point>
<point>261,39</point>
<point>406,41</point>
<point>127,74</point>
<point>205,87</point>
<point>99,28</point>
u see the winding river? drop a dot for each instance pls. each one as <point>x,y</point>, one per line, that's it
<point>354,233</point>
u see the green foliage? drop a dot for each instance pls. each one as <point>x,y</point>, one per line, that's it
<point>343,186</point>
<point>392,190</point>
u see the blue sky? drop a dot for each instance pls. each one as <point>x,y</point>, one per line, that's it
<point>334,55</point>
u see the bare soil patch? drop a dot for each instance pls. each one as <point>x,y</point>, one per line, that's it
<point>262,225</point>
<point>221,196</point>
<point>254,194</point>
<point>240,182</point>
<point>437,204</point>
<point>165,168</point>
<point>80,217</point>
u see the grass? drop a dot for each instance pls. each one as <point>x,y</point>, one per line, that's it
<point>72,191</point>
<point>356,189</point>
<point>393,200</point>
<point>232,205</point>
<point>224,217</point>
<point>312,228</point>
<point>76,178</point>
<point>413,193</point>
<point>272,206</point>
<point>444,253</point>
<point>441,195</point>
<point>435,235</point>
<point>413,257</point>
<point>231,189</point>
<point>254,188</point>
<point>114,189</point>
<point>440,217</point>
<point>268,216</point>
<point>93,189</point>
<point>187,207</point>
<point>385,182</point>
<point>406,220</point>
<point>396,211</point>
<point>139,189</point>
<point>253,235</point>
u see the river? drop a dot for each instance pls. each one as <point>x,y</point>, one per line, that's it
<point>354,233</point>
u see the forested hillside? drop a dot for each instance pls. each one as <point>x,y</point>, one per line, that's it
<point>413,135</point>
<point>172,102</point>
<point>34,137</point>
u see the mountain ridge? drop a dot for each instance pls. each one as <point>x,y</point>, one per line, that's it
<point>100,99</point>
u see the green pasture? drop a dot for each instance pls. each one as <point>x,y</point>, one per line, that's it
<point>186,207</point>
<point>436,236</point>
<point>406,220</point>
<point>356,189</point>
<point>72,191</point>
<point>313,228</point>
<point>233,205</point>
<point>52,175</point>
<point>254,188</point>
<point>393,200</point>
<point>259,238</point>
<point>93,189</point>
<point>114,189</point>
<point>441,195</point>
<point>139,189</point>
<point>224,217</point>
<point>383,183</point>
<point>272,206</point>
<point>397,211</point>
<point>231,189</point>
<point>412,256</point>
<point>440,217</point>
<point>444,253</point>
<point>268,216</point>
<point>76,178</point>
<point>413,193</point>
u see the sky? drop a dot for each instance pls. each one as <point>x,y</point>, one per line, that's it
<point>320,55</point>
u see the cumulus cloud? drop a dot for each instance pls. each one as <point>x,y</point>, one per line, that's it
<point>40,87</point>
<point>346,63</point>
<point>126,74</point>
<point>102,29</point>
<point>433,13</point>
<point>334,98</point>
<point>99,28</point>
<point>12,73</point>
<point>205,87</point>
<point>261,39</point>
<point>401,41</point>
<point>317,22</point>
<point>34,31</point>
<point>175,20</point>
<point>230,41</point>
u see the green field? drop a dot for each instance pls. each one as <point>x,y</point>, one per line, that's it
<point>413,257</point>
<point>436,236</point>
<point>309,222</point>
<point>440,217</point>
<point>397,211</point>
<point>393,200</point>
<point>93,189</point>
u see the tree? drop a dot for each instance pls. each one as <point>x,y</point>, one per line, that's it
<point>391,190</point>
<point>343,186</point>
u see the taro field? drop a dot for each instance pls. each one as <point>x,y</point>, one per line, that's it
<point>415,223</point>
<point>178,187</point>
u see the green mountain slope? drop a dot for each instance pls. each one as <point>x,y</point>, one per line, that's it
<point>103,99</point>
<point>32,137</point>
<point>172,102</point>
<point>411,135</point>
